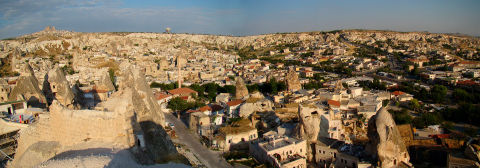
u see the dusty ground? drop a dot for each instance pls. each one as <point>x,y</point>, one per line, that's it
<point>100,157</point>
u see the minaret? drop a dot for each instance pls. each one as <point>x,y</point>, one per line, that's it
<point>179,73</point>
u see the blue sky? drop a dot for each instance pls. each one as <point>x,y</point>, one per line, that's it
<point>238,17</point>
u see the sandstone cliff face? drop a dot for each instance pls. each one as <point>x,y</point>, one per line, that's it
<point>241,90</point>
<point>255,104</point>
<point>385,141</point>
<point>293,84</point>
<point>146,107</point>
<point>128,112</point>
<point>148,113</point>
<point>311,127</point>
<point>60,87</point>
<point>27,87</point>
<point>63,128</point>
<point>312,123</point>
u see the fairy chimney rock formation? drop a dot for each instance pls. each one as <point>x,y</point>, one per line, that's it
<point>293,84</point>
<point>27,87</point>
<point>240,88</point>
<point>60,87</point>
<point>385,143</point>
<point>105,83</point>
<point>27,70</point>
<point>312,123</point>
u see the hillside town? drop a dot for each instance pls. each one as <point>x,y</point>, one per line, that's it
<point>346,98</point>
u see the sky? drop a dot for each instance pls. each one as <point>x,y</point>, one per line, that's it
<point>238,17</point>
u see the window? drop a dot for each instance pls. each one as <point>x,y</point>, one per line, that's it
<point>300,149</point>
<point>229,141</point>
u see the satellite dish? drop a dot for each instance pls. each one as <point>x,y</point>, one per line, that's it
<point>167,30</point>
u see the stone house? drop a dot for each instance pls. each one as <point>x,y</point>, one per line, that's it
<point>205,110</point>
<point>328,153</point>
<point>401,96</point>
<point>198,121</point>
<point>233,107</point>
<point>12,107</point>
<point>307,74</point>
<point>280,151</point>
<point>237,135</point>
<point>162,99</point>
<point>356,91</point>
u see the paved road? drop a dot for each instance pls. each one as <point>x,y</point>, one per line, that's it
<point>191,141</point>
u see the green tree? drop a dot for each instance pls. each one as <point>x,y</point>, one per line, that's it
<point>199,89</point>
<point>111,73</point>
<point>414,104</point>
<point>401,117</point>
<point>438,93</point>
<point>164,87</point>
<point>177,104</point>
<point>462,95</point>
<point>228,89</point>
<point>253,87</point>
<point>211,89</point>
<point>385,103</point>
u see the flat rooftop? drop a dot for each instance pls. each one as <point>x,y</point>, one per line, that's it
<point>279,143</point>
<point>291,159</point>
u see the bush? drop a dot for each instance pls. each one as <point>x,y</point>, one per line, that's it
<point>401,117</point>
<point>427,119</point>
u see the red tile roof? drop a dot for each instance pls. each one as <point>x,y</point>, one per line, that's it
<point>466,82</point>
<point>334,103</point>
<point>398,93</point>
<point>181,91</point>
<point>205,108</point>
<point>234,102</point>
<point>160,96</point>
<point>192,111</point>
